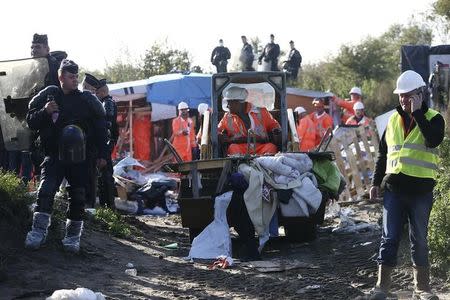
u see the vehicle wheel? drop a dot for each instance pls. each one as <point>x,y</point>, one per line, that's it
<point>301,232</point>
<point>193,232</point>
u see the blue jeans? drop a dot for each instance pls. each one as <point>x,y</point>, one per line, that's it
<point>398,208</point>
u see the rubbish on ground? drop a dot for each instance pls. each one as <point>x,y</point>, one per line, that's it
<point>366,243</point>
<point>309,287</point>
<point>222,262</point>
<point>77,294</point>
<point>156,211</point>
<point>131,272</point>
<point>279,265</point>
<point>130,265</point>
<point>172,246</point>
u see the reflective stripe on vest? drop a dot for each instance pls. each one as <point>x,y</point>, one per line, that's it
<point>409,155</point>
<point>232,132</point>
<point>259,128</point>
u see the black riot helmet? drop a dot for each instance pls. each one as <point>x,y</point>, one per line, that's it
<point>72,145</point>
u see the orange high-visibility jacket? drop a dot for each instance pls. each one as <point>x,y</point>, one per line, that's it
<point>262,122</point>
<point>142,127</point>
<point>322,123</point>
<point>181,142</point>
<point>347,106</point>
<point>306,131</point>
<point>365,121</point>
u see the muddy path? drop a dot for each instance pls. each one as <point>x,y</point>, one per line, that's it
<point>341,266</point>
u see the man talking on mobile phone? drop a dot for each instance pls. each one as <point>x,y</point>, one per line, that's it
<point>407,163</point>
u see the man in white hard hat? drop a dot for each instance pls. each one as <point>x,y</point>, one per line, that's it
<point>408,164</point>
<point>240,119</point>
<point>347,104</point>
<point>359,118</point>
<point>306,130</point>
<point>183,133</point>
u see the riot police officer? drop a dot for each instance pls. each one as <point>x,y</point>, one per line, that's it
<point>106,180</point>
<point>69,122</point>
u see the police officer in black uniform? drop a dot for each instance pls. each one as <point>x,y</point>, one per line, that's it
<point>270,54</point>
<point>220,57</point>
<point>69,122</point>
<point>106,180</point>
<point>246,58</point>
<point>292,64</point>
<point>40,48</point>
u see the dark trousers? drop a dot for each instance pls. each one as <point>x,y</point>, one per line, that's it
<point>91,182</point>
<point>52,173</point>
<point>398,208</point>
<point>106,185</point>
<point>19,162</point>
<point>221,66</point>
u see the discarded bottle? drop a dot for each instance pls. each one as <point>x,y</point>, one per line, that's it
<point>131,272</point>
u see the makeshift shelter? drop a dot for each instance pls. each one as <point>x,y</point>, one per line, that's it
<point>154,100</point>
<point>300,97</point>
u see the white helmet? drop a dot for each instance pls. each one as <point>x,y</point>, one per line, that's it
<point>299,109</point>
<point>202,107</point>
<point>182,105</point>
<point>358,105</point>
<point>408,81</point>
<point>355,90</point>
<point>235,93</point>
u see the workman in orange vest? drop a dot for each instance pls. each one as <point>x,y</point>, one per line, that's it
<point>358,118</point>
<point>321,119</point>
<point>247,129</point>
<point>347,104</point>
<point>306,130</point>
<point>183,133</point>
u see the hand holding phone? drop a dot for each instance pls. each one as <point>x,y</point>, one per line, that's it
<point>416,102</point>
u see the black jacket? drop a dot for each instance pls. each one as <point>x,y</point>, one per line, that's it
<point>247,55</point>
<point>220,53</point>
<point>111,119</point>
<point>294,59</point>
<point>80,108</point>
<point>433,132</point>
<point>271,52</point>
<point>52,76</point>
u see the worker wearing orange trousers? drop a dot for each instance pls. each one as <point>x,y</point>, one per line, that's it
<point>183,133</point>
<point>321,119</point>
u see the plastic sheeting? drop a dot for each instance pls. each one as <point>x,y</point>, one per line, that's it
<point>214,240</point>
<point>141,137</point>
<point>77,294</point>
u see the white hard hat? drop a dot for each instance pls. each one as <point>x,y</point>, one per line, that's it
<point>182,105</point>
<point>202,107</point>
<point>408,81</point>
<point>299,109</point>
<point>355,90</point>
<point>235,93</point>
<point>358,105</point>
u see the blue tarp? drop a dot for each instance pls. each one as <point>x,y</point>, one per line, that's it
<point>171,89</point>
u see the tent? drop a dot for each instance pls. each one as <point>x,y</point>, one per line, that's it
<point>192,88</point>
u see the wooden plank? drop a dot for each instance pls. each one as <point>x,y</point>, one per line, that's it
<point>374,138</point>
<point>205,136</point>
<point>341,165</point>
<point>295,139</point>
<point>361,161</point>
<point>370,156</point>
<point>354,169</point>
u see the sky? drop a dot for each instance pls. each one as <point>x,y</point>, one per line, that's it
<point>95,33</point>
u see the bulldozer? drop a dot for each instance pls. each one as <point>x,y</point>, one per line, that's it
<point>203,179</point>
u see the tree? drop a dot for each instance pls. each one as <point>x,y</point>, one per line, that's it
<point>442,8</point>
<point>161,59</point>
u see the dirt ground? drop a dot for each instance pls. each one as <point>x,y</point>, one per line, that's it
<point>343,266</point>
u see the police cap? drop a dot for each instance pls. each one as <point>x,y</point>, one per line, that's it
<point>40,39</point>
<point>69,66</point>
<point>91,80</point>
<point>101,83</point>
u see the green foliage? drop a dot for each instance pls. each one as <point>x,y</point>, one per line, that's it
<point>439,225</point>
<point>14,199</point>
<point>113,221</point>
<point>161,59</point>
<point>442,8</point>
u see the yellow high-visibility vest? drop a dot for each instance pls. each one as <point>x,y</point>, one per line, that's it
<point>410,156</point>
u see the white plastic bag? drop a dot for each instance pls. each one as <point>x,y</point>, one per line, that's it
<point>214,240</point>
<point>77,294</point>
